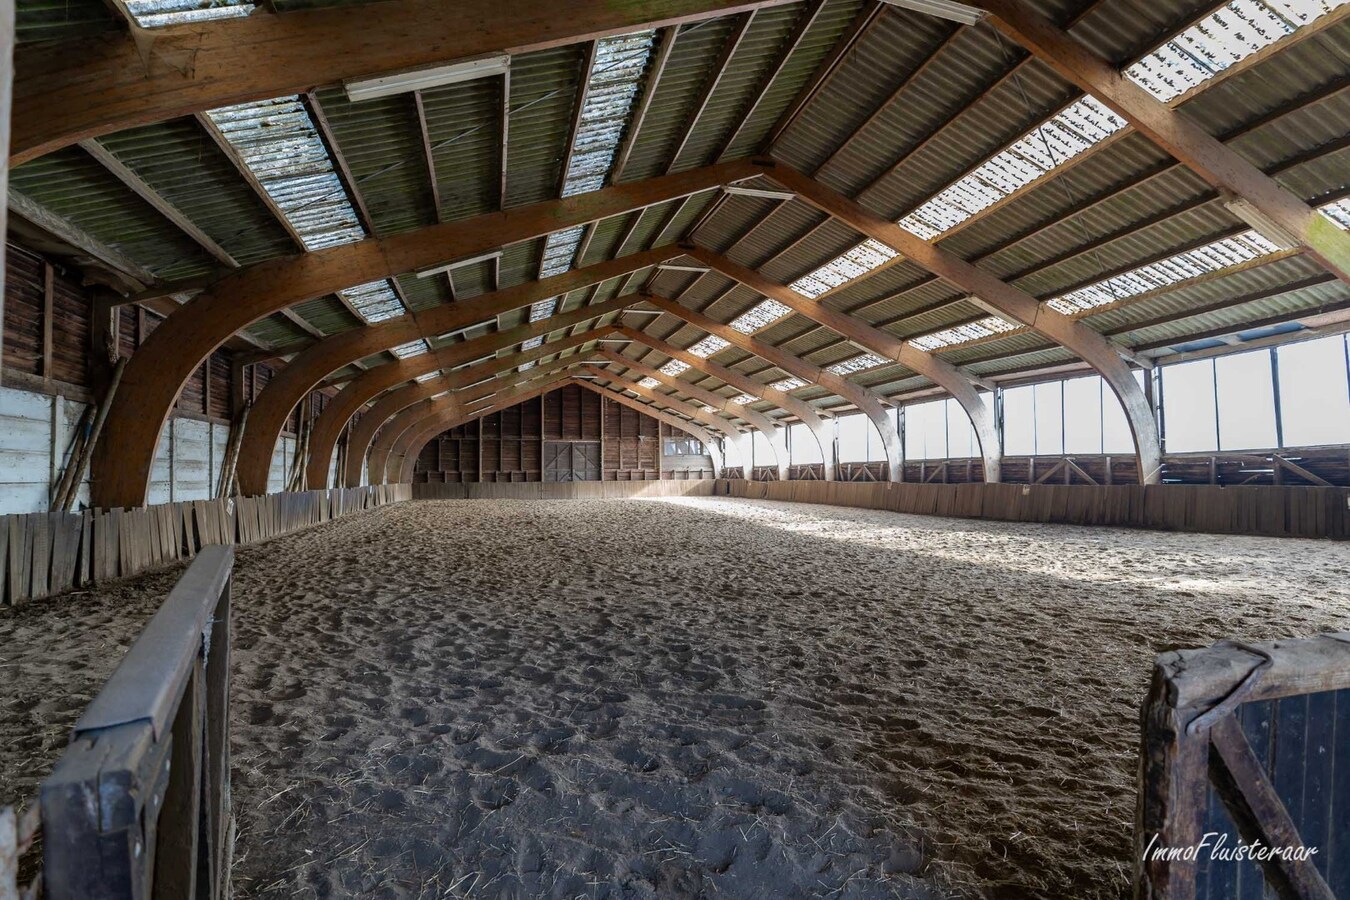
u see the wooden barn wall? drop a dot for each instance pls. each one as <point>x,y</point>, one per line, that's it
<point>46,386</point>
<point>1275,510</point>
<point>526,442</point>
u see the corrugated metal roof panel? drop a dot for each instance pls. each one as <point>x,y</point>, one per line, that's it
<point>183,165</point>
<point>758,51</point>
<point>544,89</point>
<point>61,20</point>
<point>464,125</point>
<point>72,185</point>
<point>687,69</point>
<point>382,145</point>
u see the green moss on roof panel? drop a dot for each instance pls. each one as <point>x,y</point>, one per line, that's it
<point>181,163</point>
<point>815,46</point>
<point>382,144</point>
<point>72,185</point>
<point>688,68</point>
<point>327,314</point>
<point>544,89</point>
<point>464,124</point>
<point>745,72</point>
<point>61,20</point>
<point>424,293</point>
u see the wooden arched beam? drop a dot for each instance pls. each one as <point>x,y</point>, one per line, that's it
<point>1175,132</point>
<point>159,369</point>
<point>939,371</point>
<point>288,387</point>
<point>805,412</point>
<point>741,439</point>
<point>435,423</point>
<point>871,404</point>
<point>1002,299</point>
<point>325,432</point>
<point>70,90</point>
<point>760,422</point>
<point>393,437</point>
<point>268,416</point>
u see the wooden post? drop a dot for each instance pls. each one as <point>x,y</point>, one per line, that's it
<point>48,324</point>
<point>6,113</point>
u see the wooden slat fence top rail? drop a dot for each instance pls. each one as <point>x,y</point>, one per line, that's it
<point>146,683</point>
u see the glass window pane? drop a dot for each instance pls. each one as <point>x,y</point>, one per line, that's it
<point>1083,415</point>
<point>1049,419</point>
<point>805,448</point>
<point>961,441</point>
<point>1246,401</point>
<point>876,450</point>
<point>763,450</point>
<point>1188,397</point>
<point>1314,400</point>
<point>853,438</point>
<point>1019,422</point>
<point>926,430</point>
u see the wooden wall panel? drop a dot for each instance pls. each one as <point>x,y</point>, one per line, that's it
<point>23,311</point>
<point>70,337</point>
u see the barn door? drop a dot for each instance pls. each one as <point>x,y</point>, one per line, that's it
<point>586,462</point>
<point>557,461</point>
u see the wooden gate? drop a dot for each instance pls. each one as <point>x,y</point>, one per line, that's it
<point>1246,754</point>
<point>572,461</point>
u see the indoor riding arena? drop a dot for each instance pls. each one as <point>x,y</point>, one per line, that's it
<point>771,449</point>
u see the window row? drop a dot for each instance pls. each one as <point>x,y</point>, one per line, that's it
<point>1296,395</point>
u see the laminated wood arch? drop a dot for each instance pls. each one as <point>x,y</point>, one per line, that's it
<point>307,369</point>
<point>1002,299</point>
<point>159,369</point>
<point>938,371</point>
<point>742,440</point>
<point>323,437</point>
<point>869,402</point>
<point>760,422</point>
<point>805,412</point>
<point>1174,132</point>
<point>65,92</point>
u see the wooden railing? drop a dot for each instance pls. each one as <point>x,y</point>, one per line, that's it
<point>139,804</point>
<point>1246,744</point>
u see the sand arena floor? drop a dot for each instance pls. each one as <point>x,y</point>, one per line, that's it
<point>695,697</point>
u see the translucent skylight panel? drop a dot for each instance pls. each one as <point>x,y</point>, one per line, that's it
<point>709,409</point>
<point>157,13</point>
<point>278,142</point>
<point>675,368</point>
<point>412,348</point>
<point>375,301</point>
<point>858,363</point>
<point>708,346</point>
<point>788,384</point>
<point>1228,36</point>
<point>611,89</point>
<point>649,383</point>
<point>427,377</point>
<point>1200,261</point>
<point>542,310</point>
<point>765,313</point>
<point>1338,212</point>
<point>949,337</point>
<point>744,399</point>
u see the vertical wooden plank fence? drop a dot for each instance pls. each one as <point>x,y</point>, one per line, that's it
<point>43,554</point>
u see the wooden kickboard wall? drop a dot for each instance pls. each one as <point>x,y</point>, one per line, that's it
<point>47,553</point>
<point>1291,511</point>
